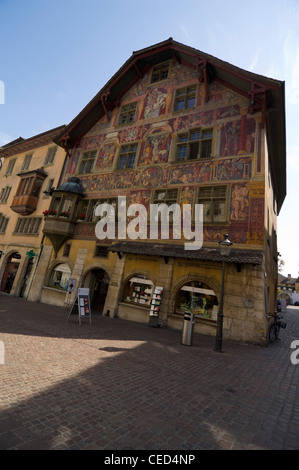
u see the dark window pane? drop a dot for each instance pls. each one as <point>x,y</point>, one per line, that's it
<point>122,162</point>
<point>180,105</point>
<point>191,102</point>
<point>193,150</point>
<point>182,152</point>
<point>131,161</point>
<point>195,135</point>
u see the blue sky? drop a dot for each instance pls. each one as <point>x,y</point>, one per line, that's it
<point>55,55</point>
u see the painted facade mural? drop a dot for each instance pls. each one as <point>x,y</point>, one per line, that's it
<point>155,131</point>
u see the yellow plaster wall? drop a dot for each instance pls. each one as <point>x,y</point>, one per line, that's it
<point>37,161</point>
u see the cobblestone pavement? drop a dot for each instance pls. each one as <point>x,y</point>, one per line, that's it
<point>121,385</point>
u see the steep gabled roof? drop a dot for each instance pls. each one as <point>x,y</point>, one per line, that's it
<point>21,145</point>
<point>264,94</point>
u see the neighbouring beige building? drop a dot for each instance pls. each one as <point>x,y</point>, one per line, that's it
<point>31,169</point>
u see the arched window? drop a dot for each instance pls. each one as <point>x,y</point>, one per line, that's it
<point>60,276</point>
<point>198,298</point>
<point>138,289</point>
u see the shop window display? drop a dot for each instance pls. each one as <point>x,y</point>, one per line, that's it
<point>197,298</point>
<point>60,277</point>
<point>138,290</point>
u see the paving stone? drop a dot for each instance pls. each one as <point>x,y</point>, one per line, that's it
<point>9,440</point>
<point>120,385</point>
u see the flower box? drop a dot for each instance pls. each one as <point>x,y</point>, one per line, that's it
<point>49,212</point>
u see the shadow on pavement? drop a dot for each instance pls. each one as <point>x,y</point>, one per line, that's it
<point>121,385</point>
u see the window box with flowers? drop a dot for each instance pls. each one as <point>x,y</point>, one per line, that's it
<point>49,212</point>
<point>64,214</point>
<point>81,217</point>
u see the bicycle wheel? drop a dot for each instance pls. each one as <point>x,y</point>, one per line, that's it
<point>277,330</point>
<point>272,333</point>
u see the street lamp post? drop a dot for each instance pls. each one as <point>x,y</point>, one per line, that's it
<point>225,247</point>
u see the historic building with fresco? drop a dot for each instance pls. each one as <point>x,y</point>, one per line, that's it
<point>177,126</point>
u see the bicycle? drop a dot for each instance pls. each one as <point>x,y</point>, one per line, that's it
<point>275,326</point>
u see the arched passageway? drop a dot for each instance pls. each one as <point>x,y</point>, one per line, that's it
<point>10,271</point>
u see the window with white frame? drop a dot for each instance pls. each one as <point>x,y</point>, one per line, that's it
<point>127,113</point>
<point>160,72</point>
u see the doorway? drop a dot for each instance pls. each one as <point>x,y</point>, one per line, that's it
<point>11,268</point>
<point>26,277</point>
<point>99,284</point>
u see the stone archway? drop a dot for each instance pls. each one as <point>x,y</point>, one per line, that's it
<point>10,271</point>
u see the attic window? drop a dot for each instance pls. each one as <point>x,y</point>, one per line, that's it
<point>127,113</point>
<point>185,98</point>
<point>160,72</point>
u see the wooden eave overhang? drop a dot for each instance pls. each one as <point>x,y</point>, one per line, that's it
<point>169,250</point>
<point>22,145</point>
<point>264,95</point>
<point>38,172</point>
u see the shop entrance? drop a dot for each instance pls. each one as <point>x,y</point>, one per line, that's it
<point>10,272</point>
<point>99,283</point>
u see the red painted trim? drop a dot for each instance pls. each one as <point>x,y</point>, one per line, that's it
<point>232,87</point>
<point>174,48</point>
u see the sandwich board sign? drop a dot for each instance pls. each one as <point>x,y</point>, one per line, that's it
<point>82,303</point>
